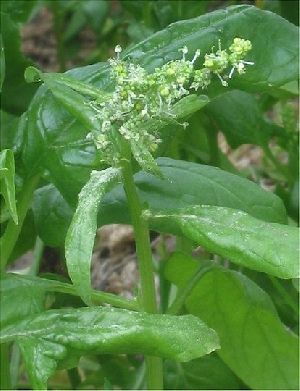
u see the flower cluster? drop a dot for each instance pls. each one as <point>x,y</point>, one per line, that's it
<point>139,97</point>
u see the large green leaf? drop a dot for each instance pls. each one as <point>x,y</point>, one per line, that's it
<point>187,184</point>
<point>254,342</point>
<point>7,181</point>
<point>53,335</point>
<point>82,231</point>
<point>267,247</point>
<point>57,141</point>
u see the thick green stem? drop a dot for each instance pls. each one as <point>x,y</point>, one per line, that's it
<point>13,230</point>
<point>141,231</point>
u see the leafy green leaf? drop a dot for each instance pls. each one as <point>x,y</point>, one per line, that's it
<point>254,342</point>
<point>81,234</point>
<point>268,247</point>
<point>54,139</point>
<point>7,178</point>
<point>187,184</point>
<point>53,335</point>
<point>74,102</point>
<point>189,105</point>
<point>54,80</point>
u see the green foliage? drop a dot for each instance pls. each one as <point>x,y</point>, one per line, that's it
<point>71,162</point>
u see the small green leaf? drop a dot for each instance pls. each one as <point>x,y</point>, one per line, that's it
<point>52,336</point>
<point>81,234</point>
<point>143,156</point>
<point>33,74</point>
<point>267,247</point>
<point>7,178</point>
<point>255,344</point>
<point>189,105</point>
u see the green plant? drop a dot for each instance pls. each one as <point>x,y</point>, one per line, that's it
<point>84,138</point>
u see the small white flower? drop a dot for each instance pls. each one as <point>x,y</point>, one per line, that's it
<point>184,51</point>
<point>196,55</point>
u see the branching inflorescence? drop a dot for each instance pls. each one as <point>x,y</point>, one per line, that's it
<point>139,97</point>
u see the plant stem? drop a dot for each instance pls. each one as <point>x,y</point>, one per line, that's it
<point>141,231</point>
<point>13,230</point>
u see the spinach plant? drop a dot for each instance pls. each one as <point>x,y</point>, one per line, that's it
<point>83,140</point>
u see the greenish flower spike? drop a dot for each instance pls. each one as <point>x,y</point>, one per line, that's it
<point>142,101</point>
